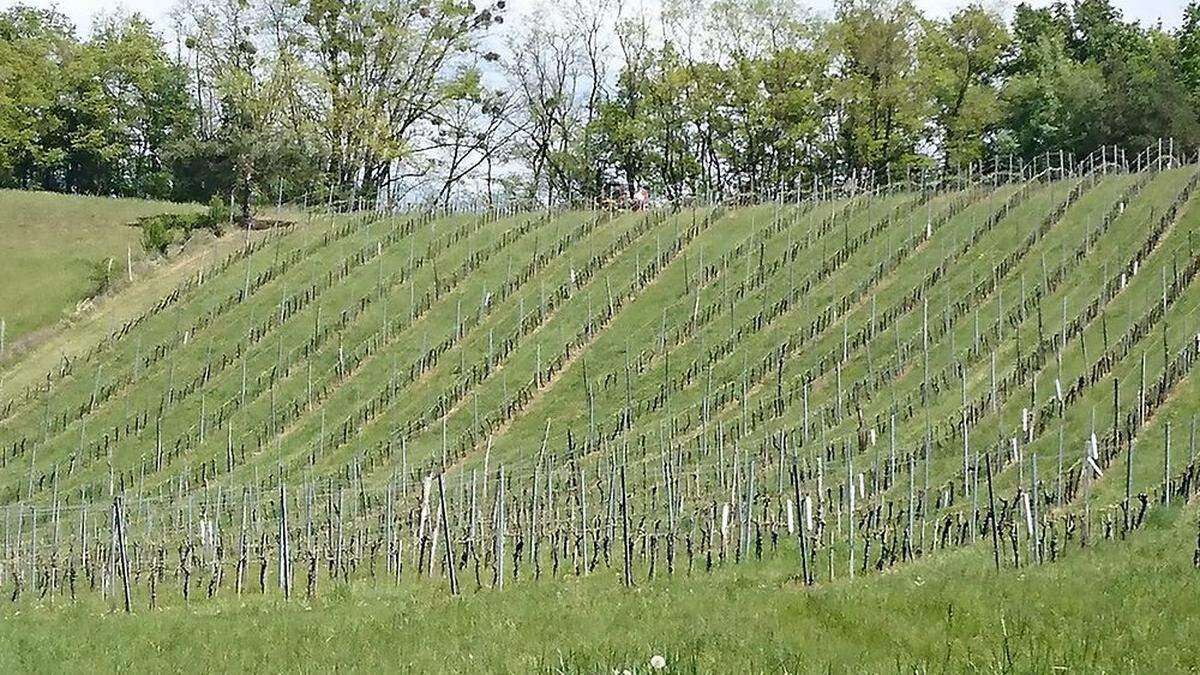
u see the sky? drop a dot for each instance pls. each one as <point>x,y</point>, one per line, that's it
<point>81,12</point>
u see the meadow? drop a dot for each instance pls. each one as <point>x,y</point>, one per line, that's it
<point>54,246</point>
<point>1116,607</point>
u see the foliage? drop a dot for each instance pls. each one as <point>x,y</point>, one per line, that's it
<point>218,214</point>
<point>1054,105</point>
<point>155,236</point>
<point>367,101</point>
<point>96,116</point>
<point>156,229</point>
<point>881,88</point>
<point>1188,58</point>
<point>960,59</point>
<point>100,274</point>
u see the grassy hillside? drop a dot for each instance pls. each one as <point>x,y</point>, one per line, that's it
<point>53,242</point>
<point>866,432</point>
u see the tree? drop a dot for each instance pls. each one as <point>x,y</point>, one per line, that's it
<point>620,127</point>
<point>235,105</point>
<point>1188,55</point>
<point>961,64</point>
<point>35,45</point>
<point>94,116</point>
<point>371,102</point>
<point>382,68</point>
<point>756,29</point>
<point>1097,32</point>
<point>1146,98</point>
<point>551,88</point>
<point>879,115</point>
<point>126,104</point>
<point>798,108</point>
<point>1054,106</point>
<point>473,131</point>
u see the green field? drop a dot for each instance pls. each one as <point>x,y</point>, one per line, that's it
<point>52,243</point>
<point>1119,607</point>
<point>902,430</point>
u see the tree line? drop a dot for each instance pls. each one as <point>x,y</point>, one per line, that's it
<point>399,101</point>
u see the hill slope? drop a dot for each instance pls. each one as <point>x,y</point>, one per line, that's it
<point>54,242</point>
<point>813,392</point>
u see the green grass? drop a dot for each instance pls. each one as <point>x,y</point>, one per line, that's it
<point>1117,607</point>
<point>53,242</point>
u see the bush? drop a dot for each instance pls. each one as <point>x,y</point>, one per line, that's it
<point>155,236</point>
<point>100,275</point>
<point>218,215</point>
<point>156,230</point>
<point>218,212</point>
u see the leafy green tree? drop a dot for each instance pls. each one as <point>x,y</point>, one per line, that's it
<point>238,99</point>
<point>94,116</point>
<point>880,109</point>
<point>127,104</point>
<point>620,130</point>
<point>1098,33</point>
<point>1030,28</point>
<point>363,100</point>
<point>383,70</point>
<point>1188,55</point>
<point>1053,106</point>
<point>961,64</point>
<point>1146,98</point>
<point>796,83</point>
<point>669,152</point>
<point>35,45</point>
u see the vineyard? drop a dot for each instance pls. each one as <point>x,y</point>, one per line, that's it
<point>820,398</point>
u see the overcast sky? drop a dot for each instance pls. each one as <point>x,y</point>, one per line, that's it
<point>1170,12</point>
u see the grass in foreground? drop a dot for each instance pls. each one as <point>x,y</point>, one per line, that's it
<point>1129,606</point>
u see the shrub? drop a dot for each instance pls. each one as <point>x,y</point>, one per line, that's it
<point>155,236</point>
<point>100,275</point>
<point>156,230</point>
<point>218,214</point>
